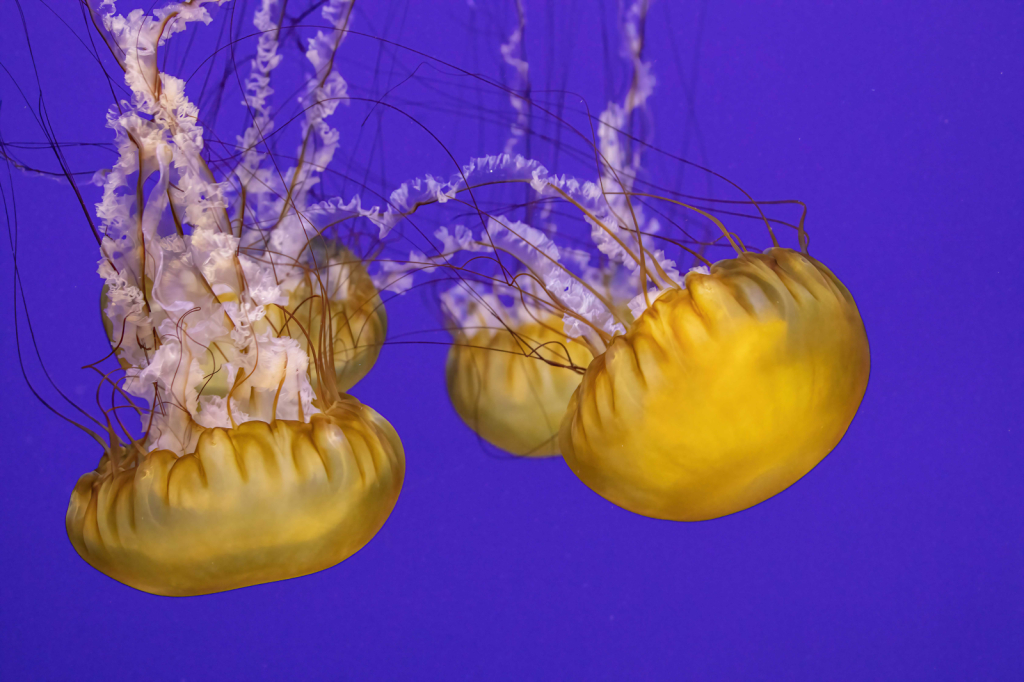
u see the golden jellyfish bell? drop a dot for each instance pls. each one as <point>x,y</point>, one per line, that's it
<point>721,394</point>
<point>253,504</point>
<point>511,386</point>
<point>358,321</point>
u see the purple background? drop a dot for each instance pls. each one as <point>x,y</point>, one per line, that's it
<point>900,557</point>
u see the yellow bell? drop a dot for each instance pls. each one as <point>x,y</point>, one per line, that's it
<point>512,388</point>
<point>253,504</point>
<point>721,394</point>
<point>359,323</point>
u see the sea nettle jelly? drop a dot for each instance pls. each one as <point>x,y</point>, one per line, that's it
<point>703,392</point>
<point>240,326</point>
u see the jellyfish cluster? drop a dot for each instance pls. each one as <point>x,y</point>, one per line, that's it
<point>585,315</point>
<point>240,329</point>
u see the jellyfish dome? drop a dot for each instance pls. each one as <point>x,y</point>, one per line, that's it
<point>252,504</point>
<point>510,382</point>
<point>722,393</point>
<point>241,327</point>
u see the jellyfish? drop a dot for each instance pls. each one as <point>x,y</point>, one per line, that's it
<point>510,382</point>
<point>511,368</point>
<point>724,392</point>
<point>697,393</point>
<point>720,388</point>
<point>240,326</point>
